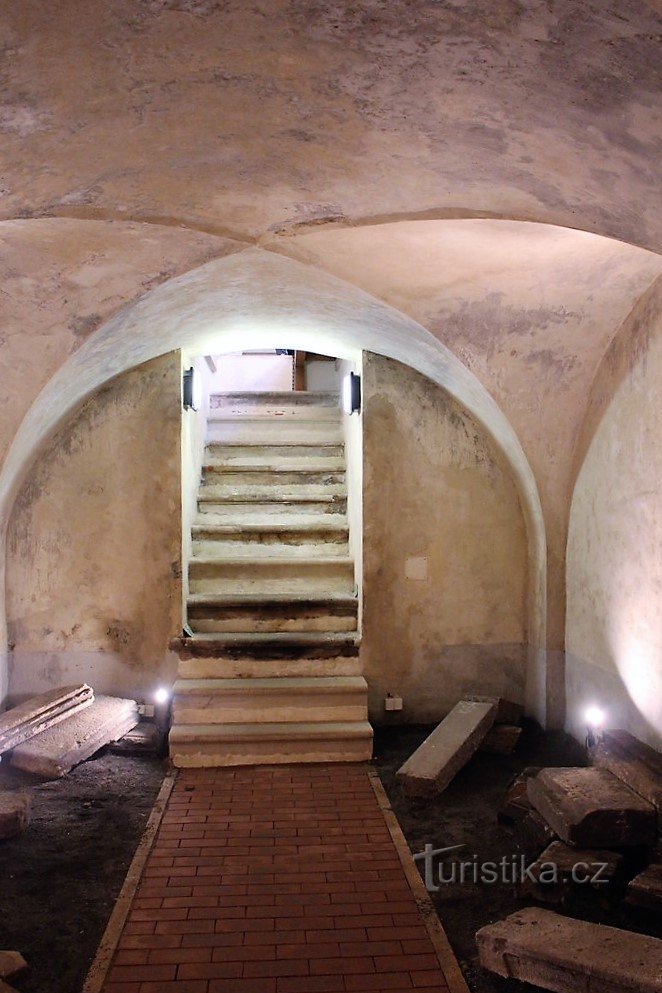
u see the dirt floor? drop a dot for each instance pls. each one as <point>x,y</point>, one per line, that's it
<point>466,813</point>
<point>60,878</point>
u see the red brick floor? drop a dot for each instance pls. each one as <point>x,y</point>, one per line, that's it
<point>277,879</point>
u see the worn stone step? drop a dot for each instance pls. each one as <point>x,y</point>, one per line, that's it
<point>272,517</point>
<point>269,700</point>
<point>223,548</point>
<point>450,746</point>
<point>278,644</point>
<point>287,452</point>
<point>570,956</point>
<point>209,612</point>
<point>195,746</point>
<point>272,492</point>
<point>223,462</point>
<point>278,431</point>
<point>322,574</point>
<point>281,478</point>
<point>274,399</point>
<point>591,808</point>
<point>223,667</point>
<point>276,510</point>
<point>315,530</point>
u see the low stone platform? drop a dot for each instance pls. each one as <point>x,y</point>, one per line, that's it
<point>591,808</point>
<point>570,956</point>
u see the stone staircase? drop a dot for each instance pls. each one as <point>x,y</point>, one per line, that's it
<point>271,673</point>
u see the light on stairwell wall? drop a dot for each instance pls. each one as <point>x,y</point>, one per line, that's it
<point>351,393</point>
<point>192,389</point>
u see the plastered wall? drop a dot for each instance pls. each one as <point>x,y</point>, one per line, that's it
<point>444,551</point>
<point>94,543</point>
<point>614,582</point>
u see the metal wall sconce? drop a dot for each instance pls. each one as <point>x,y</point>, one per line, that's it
<point>351,393</point>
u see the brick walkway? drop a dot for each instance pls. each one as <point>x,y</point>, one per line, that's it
<point>274,880</point>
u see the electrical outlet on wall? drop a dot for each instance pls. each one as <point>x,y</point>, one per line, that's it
<point>392,702</point>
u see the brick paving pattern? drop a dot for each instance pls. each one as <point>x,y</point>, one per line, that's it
<point>280,879</point>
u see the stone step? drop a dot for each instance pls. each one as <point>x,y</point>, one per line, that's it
<point>314,530</point>
<point>272,492</point>
<point>264,511</point>
<point>294,451</point>
<point>268,700</point>
<point>280,477</point>
<point>216,667</point>
<point>274,399</point>
<point>450,746</point>
<point>240,548</point>
<point>636,764</point>
<point>591,808</point>
<point>220,460</point>
<point>285,613</point>
<point>321,574</point>
<point>268,645</point>
<point>238,517</point>
<point>277,431</point>
<point>195,746</point>
<point>570,956</point>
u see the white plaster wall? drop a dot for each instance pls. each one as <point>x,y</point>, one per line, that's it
<point>353,435</point>
<point>444,551</point>
<point>614,581</point>
<point>94,558</point>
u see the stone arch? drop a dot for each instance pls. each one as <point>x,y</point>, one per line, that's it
<point>256,298</point>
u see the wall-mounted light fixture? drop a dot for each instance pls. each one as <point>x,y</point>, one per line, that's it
<point>351,393</point>
<point>595,720</point>
<point>192,389</point>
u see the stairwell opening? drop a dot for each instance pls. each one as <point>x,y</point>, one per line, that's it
<point>272,563</point>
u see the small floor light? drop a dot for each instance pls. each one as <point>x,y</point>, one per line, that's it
<point>191,390</point>
<point>595,719</point>
<point>351,393</point>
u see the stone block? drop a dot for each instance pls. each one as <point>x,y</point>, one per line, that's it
<point>591,808</point>
<point>636,764</point>
<point>560,868</point>
<point>507,711</point>
<point>54,752</point>
<point>501,739</point>
<point>645,890</point>
<point>569,956</point>
<point>450,746</point>
<point>11,963</point>
<point>516,804</point>
<point>14,814</point>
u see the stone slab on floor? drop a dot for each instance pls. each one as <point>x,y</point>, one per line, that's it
<point>516,804</point>
<point>636,764</point>
<point>591,808</point>
<point>570,956</point>
<point>507,711</point>
<point>54,752</point>
<point>501,739</point>
<point>11,963</point>
<point>561,867</point>
<point>448,749</point>
<point>645,890</point>
<point>20,723</point>
<point>14,815</point>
